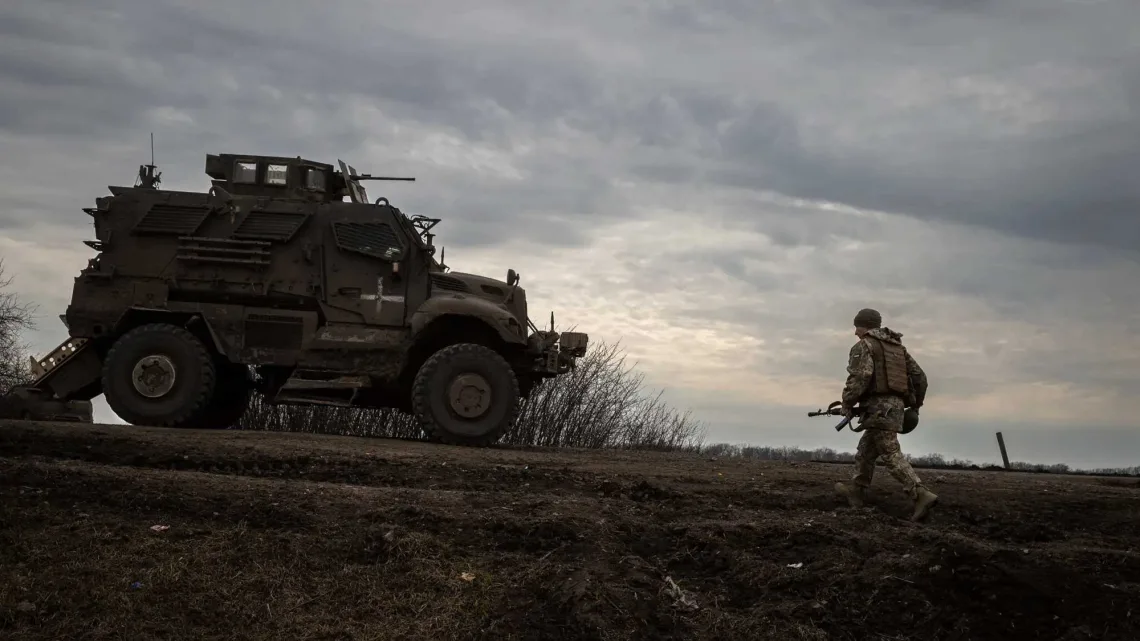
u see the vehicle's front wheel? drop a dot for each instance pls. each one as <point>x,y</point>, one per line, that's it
<point>158,374</point>
<point>466,394</point>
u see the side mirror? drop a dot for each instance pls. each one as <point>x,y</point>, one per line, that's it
<point>512,278</point>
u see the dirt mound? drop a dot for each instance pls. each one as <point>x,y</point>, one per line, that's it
<point>267,536</point>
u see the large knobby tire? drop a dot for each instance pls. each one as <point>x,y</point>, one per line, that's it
<point>484,387</point>
<point>149,353</point>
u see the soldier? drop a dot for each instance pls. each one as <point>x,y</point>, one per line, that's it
<point>884,379</point>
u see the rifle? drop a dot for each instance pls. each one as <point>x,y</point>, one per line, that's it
<point>836,409</point>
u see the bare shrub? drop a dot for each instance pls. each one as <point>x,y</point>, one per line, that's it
<point>602,403</point>
<point>322,419</point>
<point>15,316</point>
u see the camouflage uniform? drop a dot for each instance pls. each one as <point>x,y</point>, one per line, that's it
<point>882,418</point>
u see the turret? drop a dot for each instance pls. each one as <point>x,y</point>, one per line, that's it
<point>275,177</point>
<point>280,177</point>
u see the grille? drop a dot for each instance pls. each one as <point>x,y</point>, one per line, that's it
<point>223,251</point>
<point>448,283</point>
<point>269,226</point>
<point>171,219</point>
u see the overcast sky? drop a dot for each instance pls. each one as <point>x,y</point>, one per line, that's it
<point>719,185</point>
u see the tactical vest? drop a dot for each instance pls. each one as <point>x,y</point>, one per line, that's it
<point>890,369</point>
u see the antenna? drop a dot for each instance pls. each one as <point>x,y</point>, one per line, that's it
<point>148,177</point>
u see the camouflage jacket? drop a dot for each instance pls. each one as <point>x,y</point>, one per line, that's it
<point>861,371</point>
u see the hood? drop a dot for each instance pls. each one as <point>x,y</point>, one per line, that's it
<point>491,289</point>
<point>474,284</point>
<point>886,335</point>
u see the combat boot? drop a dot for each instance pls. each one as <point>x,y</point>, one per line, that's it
<point>923,503</point>
<point>853,493</point>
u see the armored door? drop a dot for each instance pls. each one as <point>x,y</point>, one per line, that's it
<point>363,251</point>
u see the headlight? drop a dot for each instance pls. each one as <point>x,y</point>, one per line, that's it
<point>574,343</point>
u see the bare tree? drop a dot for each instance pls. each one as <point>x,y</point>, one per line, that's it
<point>15,316</point>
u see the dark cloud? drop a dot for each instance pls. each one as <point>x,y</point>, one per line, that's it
<point>240,87</point>
<point>1032,132</point>
<point>552,126</point>
<point>1066,178</point>
<point>1070,186</point>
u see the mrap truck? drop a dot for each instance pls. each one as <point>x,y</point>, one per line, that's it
<point>272,282</point>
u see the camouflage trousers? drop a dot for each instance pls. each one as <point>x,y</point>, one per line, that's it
<point>876,444</point>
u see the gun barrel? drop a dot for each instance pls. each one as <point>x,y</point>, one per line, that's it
<point>836,409</point>
<point>371,177</point>
<point>827,412</point>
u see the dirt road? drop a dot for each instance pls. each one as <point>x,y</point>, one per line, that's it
<point>288,536</point>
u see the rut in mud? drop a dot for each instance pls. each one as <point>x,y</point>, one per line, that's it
<point>294,536</point>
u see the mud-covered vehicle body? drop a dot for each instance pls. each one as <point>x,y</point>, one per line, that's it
<point>273,281</point>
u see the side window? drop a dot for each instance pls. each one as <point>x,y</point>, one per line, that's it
<point>315,179</point>
<point>375,239</point>
<point>276,175</point>
<point>245,172</point>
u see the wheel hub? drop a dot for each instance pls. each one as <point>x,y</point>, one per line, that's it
<point>153,376</point>
<point>470,395</point>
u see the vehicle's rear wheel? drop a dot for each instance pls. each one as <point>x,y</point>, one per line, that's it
<point>159,374</point>
<point>466,394</point>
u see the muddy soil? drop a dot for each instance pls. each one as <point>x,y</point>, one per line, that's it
<point>290,536</point>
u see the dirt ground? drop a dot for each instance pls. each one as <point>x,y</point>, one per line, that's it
<point>290,536</point>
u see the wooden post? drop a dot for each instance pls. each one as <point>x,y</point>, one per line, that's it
<point>1004,456</point>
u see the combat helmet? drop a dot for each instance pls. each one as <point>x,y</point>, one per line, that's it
<point>910,420</point>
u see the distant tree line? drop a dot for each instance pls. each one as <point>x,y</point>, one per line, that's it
<point>926,461</point>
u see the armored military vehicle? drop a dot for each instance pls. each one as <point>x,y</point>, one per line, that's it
<point>272,281</point>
